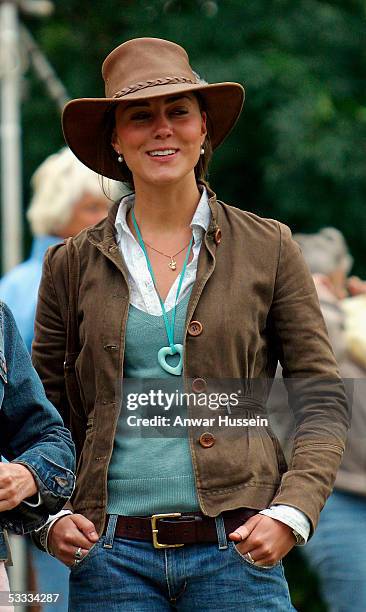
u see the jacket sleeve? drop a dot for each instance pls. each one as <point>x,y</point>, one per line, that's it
<point>316,392</point>
<point>49,344</point>
<point>32,432</point>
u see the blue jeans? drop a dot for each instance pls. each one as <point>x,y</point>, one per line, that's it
<point>130,575</point>
<point>337,552</point>
<point>52,576</point>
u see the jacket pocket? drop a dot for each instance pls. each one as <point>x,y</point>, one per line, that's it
<point>265,461</point>
<point>265,456</point>
<point>274,441</point>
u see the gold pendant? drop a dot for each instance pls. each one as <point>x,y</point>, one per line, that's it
<point>173,264</point>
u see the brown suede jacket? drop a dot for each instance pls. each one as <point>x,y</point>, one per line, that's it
<point>256,302</point>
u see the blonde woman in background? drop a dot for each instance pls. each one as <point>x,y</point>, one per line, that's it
<point>67,197</point>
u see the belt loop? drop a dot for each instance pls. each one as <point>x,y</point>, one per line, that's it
<point>221,533</point>
<point>111,528</point>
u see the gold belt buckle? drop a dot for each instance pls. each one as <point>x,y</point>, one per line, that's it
<point>154,528</point>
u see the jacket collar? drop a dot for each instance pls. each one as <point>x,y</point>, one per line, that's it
<point>212,202</point>
<point>103,235</point>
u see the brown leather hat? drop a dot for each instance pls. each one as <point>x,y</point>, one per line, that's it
<point>138,69</point>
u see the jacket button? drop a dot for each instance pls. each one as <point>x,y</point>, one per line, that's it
<point>217,236</point>
<point>195,328</point>
<point>199,385</point>
<point>207,440</point>
<point>61,481</point>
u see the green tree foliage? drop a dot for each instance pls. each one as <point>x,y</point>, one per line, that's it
<point>298,151</point>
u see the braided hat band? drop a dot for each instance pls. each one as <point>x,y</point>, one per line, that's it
<point>151,83</point>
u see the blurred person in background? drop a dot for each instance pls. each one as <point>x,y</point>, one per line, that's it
<point>354,308</point>
<point>37,478</point>
<point>67,197</point>
<point>337,550</point>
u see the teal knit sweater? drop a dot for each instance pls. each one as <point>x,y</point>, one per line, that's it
<point>149,475</point>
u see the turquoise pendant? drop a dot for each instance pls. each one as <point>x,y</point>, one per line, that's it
<point>167,350</point>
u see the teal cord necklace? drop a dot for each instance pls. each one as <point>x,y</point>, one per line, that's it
<point>173,348</point>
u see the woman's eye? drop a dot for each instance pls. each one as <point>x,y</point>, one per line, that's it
<point>140,116</point>
<point>179,111</point>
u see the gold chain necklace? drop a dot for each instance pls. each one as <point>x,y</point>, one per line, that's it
<point>172,263</point>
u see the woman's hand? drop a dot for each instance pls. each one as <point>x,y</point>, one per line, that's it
<point>266,539</point>
<point>16,484</point>
<point>69,533</point>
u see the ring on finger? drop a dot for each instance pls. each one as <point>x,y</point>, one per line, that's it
<point>250,558</point>
<point>78,555</point>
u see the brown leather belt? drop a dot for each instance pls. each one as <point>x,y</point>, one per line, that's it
<point>176,529</point>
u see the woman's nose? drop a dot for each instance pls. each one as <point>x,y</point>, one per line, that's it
<point>162,126</point>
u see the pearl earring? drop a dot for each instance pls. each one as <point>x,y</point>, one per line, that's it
<point>120,158</point>
<point>202,152</point>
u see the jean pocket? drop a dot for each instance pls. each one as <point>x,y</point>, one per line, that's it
<point>261,568</point>
<point>86,559</point>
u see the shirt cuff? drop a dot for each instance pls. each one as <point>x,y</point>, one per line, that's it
<point>45,529</point>
<point>39,502</point>
<point>294,518</point>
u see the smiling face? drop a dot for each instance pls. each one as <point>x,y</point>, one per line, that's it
<point>161,138</point>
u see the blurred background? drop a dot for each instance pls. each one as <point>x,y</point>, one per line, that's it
<point>298,151</point>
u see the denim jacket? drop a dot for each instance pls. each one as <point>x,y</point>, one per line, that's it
<point>31,433</point>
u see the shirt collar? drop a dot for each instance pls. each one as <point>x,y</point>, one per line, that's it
<point>200,221</point>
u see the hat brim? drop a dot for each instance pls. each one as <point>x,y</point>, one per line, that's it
<point>83,120</point>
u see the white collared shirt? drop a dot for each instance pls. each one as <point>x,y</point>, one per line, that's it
<point>142,290</point>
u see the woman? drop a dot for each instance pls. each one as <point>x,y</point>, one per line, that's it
<point>38,479</point>
<point>190,290</point>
